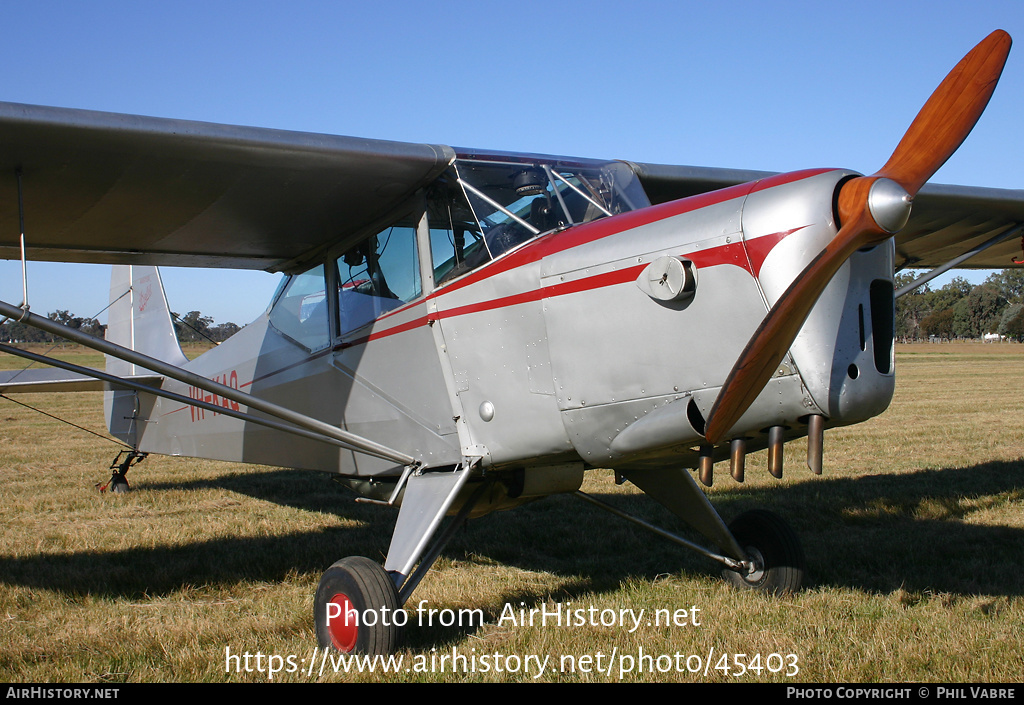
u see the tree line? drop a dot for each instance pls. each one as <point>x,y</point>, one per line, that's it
<point>962,310</point>
<point>193,327</point>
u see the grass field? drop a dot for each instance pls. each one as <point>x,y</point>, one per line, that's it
<point>913,535</point>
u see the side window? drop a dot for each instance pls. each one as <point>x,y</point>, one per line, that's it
<point>379,274</point>
<point>301,310</point>
<point>456,244</point>
<point>455,251</point>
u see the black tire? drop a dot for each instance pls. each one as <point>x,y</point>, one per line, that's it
<point>776,550</point>
<point>358,584</point>
<point>119,484</point>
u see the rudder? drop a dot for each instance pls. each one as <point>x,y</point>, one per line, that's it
<point>139,318</point>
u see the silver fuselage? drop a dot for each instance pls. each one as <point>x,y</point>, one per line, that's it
<point>552,356</point>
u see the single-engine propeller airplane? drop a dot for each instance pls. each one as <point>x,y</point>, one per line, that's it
<point>463,331</point>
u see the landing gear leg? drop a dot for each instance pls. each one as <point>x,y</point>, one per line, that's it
<point>358,605</point>
<point>762,551</point>
<point>118,482</point>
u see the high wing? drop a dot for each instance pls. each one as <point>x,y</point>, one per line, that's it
<point>111,188</point>
<point>946,221</point>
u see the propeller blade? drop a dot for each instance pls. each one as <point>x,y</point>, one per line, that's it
<point>871,209</point>
<point>775,335</point>
<point>949,115</point>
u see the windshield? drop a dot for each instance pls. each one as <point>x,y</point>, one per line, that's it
<point>513,201</point>
<point>487,205</point>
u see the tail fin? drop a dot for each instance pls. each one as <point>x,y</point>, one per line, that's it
<point>138,318</point>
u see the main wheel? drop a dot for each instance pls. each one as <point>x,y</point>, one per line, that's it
<point>773,547</point>
<point>356,608</point>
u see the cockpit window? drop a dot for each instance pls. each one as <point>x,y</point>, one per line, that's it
<point>377,275</point>
<point>484,207</point>
<point>456,242</point>
<point>300,312</point>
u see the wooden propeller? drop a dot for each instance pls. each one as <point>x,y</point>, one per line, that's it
<point>871,209</point>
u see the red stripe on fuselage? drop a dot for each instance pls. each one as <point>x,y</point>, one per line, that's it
<point>560,241</point>
<point>759,248</point>
<point>400,328</point>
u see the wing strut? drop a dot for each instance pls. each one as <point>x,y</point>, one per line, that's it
<point>139,386</point>
<point>318,427</point>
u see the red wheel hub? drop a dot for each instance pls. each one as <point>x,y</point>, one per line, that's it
<point>342,623</point>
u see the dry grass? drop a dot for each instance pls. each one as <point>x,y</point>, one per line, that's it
<point>913,536</point>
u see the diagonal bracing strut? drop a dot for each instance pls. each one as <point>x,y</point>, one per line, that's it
<point>140,386</point>
<point>351,440</point>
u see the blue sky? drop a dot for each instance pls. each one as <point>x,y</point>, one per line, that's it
<point>756,85</point>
